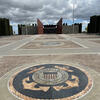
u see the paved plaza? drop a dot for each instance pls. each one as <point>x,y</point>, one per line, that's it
<point>50,67</point>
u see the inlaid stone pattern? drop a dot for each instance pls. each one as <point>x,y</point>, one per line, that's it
<point>50,37</point>
<point>50,81</point>
<point>52,43</point>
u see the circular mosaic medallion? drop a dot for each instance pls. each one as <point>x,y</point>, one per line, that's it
<point>50,76</point>
<point>52,43</point>
<point>50,81</point>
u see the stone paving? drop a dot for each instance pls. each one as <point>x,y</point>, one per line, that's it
<point>97,41</point>
<point>4,43</point>
<point>13,59</point>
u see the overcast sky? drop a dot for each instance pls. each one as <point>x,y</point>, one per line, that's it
<point>49,11</point>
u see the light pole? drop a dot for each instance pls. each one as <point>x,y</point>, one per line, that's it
<point>73,17</point>
<point>26,28</point>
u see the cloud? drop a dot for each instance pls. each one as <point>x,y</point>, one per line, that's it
<point>27,11</point>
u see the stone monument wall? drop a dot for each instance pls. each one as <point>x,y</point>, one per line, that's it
<point>69,29</point>
<point>40,27</point>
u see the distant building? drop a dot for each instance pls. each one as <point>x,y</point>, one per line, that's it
<point>20,29</point>
<point>94,25</point>
<point>49,29</point>
<point>5,28</point>
<point>69,28</point>
<point>27,29</point>
<point>11,30</point>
